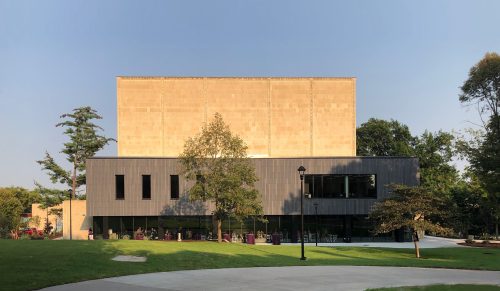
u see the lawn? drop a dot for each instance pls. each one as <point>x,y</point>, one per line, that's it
<point>36,264</point>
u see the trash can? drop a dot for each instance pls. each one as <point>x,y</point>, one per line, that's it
<point>250,239</point>
<point>276,239</point>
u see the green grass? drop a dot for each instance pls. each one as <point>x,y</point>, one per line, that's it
<point>458,287</point>
<point>36,264</point>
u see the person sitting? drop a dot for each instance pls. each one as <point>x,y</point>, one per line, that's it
<point>91,234</point>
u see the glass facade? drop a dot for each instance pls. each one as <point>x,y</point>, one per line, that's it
<point>327,228</point>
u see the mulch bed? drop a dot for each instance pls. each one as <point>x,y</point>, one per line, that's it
<point>481,245</point>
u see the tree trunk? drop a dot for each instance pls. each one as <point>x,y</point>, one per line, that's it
<point>417,250</point>
<point>219,230</point>
<point>496,230</point>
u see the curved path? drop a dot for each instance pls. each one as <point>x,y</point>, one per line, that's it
<point>288,278</point>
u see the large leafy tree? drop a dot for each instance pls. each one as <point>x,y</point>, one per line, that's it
<point>435,152</point>
<point>10,213</point>
<point>378,137</point>
<point>84,142</point>
<point>26,197</point>
<point>216,160</point>
<point>482,90</point>
<point>407,208</point>
<point>468,209</point>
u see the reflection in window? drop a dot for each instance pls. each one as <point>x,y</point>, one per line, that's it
<point>362,186</point>
<point>334,186</point>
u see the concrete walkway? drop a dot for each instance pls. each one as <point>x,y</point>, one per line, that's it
<point>428,242</point>
<point>287,278</point>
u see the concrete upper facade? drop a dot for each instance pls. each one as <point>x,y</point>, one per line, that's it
<point>276,117</point>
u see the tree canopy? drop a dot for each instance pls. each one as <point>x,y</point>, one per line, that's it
<point>216,160</point>
<point>378,137</point>
<point>407,208</point>
<point>482,88</point>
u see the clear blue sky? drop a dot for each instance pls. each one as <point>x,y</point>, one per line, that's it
<point>410,57</point>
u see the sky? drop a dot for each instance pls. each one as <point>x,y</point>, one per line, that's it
<point>409,57</point>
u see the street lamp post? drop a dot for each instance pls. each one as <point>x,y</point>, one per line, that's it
<point>302,170</point>
<point>316,220</point>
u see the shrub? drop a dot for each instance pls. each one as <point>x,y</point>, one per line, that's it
<point>98,236</point>
<point>25,236</point>
<point>126,237</point>
<point>113,236</point>
<point>485,241</point>
<point>469,241</point>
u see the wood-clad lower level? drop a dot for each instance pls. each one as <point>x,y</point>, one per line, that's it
<point>279,185</point>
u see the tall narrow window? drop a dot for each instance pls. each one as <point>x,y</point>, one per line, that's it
<point>120,186</point>
<point>146,186</point>
<point>174,186</point>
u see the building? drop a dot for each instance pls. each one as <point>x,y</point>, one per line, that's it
<point>286,122</point>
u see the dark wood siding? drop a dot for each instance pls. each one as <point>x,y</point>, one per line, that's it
<point>279,185</point>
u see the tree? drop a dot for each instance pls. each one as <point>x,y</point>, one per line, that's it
<point>435,152</point>
<point>25,196</point>
<point>378,137</point>
<point>467,204</point>
<point>482,151</point>
<point>84,142</point>
<point>482,89</point>
<point>10,213</point>
<point>407,208</point>
<point>216,160</point>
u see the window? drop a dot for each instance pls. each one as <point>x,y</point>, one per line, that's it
<point>146,186</point>
<point>362,186</point>
<point>337,186</point>
<point>333,186</point>
<point>120,186</point>
<point>174,186</point>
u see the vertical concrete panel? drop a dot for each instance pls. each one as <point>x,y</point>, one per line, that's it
<point>243,103</point>
<point>334,117</point>
<point>140,126</point>
<point>290,118</point>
